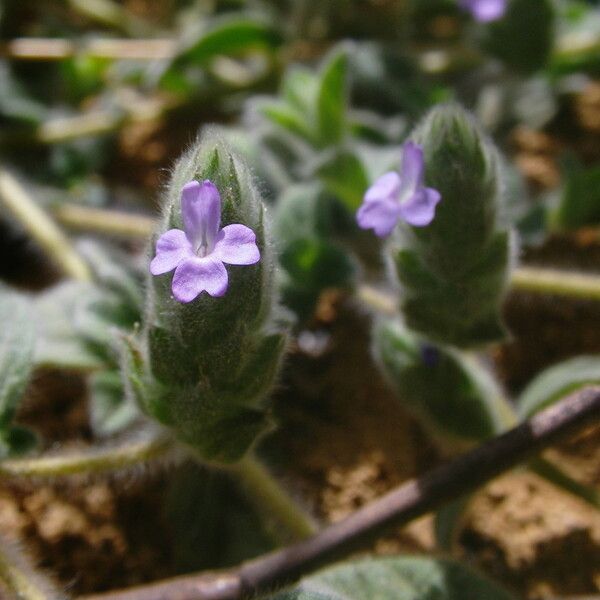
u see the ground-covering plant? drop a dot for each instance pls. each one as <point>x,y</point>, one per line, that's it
<point>354,150</point>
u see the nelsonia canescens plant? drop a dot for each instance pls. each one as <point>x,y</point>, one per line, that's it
<point>213,334</point>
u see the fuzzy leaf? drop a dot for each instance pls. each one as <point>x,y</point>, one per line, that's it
<point>345,177</point>
<point>59,344</point>
<point>396,578</point>
<point>332,99</point>
<point>453,396</point>
<point>17,338</point>
<point>230,37</point>
<point>111,410</point>
<point>556,382</point>
<point>579,203</point>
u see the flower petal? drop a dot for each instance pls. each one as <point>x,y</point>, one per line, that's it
<point>485,11</point>
<point>236,245</point>
<point>385,187</point>
<point>171,248</point>
<point>201,213</point>
<point>379,215</point>
<point>196,275</point>
<point>419,210</point>
<point>411,170</point>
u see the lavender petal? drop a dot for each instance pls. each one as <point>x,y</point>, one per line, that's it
<point>385,187</point>
<point>171,248</point>
<point>379,215</point>
<point>485,11</point>
<point>196,275</point>
<point>236,245</point>
<point>201,213</point>
<point>411,170</point>
<point>419,210</point>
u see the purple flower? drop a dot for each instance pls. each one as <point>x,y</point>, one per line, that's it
<point>198,252</point>
<point>399,196</point>
<point>485,11</point>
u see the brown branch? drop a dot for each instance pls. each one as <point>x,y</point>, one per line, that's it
<point>409,501</point>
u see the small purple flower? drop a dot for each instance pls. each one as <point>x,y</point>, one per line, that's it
<point>485,11</point>
<point>399,196</point>
<point>198,252</point>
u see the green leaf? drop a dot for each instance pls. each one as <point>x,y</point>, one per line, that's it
<point>451,393</point>
<point>14,102</point>
<point>523,38</point>
<point>345,177</point>
<point>396,578</point>
<point>231,37</point>
<point>16,441</point>
<point>332,99</point>
<point>17,337</point>
<point>59,344</point>
<point>111,410</point>
<point>556,382</point>
<point>288,118</point>
<point>448,521</point>
<point>579,203</point>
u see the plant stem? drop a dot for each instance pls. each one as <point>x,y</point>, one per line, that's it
<point>101,122</point>
<point>560,283</point>
<point>51,49</point>
<point>19,577</point>
<point>104,221</point>
<point>87,461</point>
<point>271,499</point>
<point>398,507</point>
<point>41,227</point>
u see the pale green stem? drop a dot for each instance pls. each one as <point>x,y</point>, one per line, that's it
<point>88,461</point>
<point>41,227</point>
<point>100,123</point>
<point>555,282</point>
<point>19,578</point>
<point>272,500</point>
<point>51,49</point>
<point>104,221</point>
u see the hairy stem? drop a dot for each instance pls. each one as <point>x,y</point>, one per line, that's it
<point>40,226</point>
<point>87,461</point>
<point>398,507</point>
<point>272,500</point>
